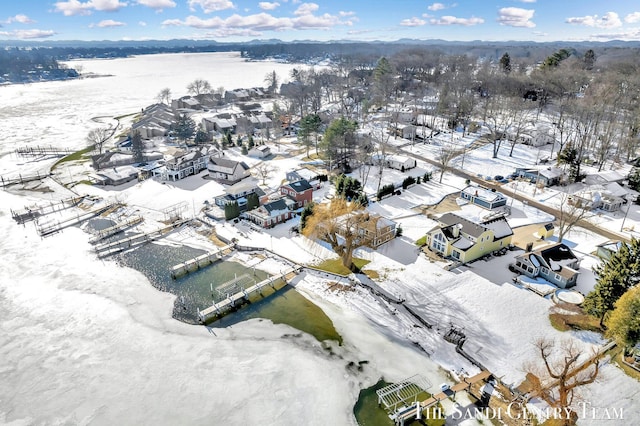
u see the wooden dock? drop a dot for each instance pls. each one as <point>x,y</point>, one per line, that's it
<point>200,261</point>
<point>118,227</point>
<point>33,212</point>
<point>110,248</point>
<point>243,294</point>
<point>7,181</point>
<point>42,151</point>
<point>50,228</point>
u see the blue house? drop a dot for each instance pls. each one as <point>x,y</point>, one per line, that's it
<point>483,197</point>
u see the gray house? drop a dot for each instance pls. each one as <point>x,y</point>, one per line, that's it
<point>555,263</point>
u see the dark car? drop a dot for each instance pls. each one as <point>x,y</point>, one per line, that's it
<point>498,177</point>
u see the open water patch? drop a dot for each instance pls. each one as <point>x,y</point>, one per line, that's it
<point>197,290</point>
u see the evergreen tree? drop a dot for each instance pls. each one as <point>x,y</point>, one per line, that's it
<point>623,325</point>
<point>251,142</point>
<point>589,59</point>
<point>306,212</point>
<point>201,136</point>
<point>348,187</point>
<point>244,150</point>
<point>137,147</point>
<point>231,210</point>
<point>614,278</point>
<point>634,179</point>
<point>184,127</point>
<point>252,201</point>
<point>505,63</point>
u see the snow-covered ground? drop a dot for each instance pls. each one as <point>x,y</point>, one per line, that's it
<point>85,341</point>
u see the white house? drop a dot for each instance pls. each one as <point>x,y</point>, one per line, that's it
<point>227,171</point>
<point>260,151</point>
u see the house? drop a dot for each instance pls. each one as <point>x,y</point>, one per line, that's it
<point>597,197</point>
<point>115,176</point>
<point>397,162</point>
<point>183,164</point>
<point>546,231</point>
<point>548,177</point>
<point>238,95</point>
<point>156,121</point>
<point>465,240</point>
<point>298,174</point>
<point>227,171</point>
<point>371,226</point>
<point>555,263</point>
<point>604,178</point>
<point>542,135</point>
<point>299,191</point>
<point>400,130</point>
<point>272,213</point>
<point>115,158</point>
<point>239,192</point>
<point>260,151</point>
<point>483,197</point>
<point>186,103</point>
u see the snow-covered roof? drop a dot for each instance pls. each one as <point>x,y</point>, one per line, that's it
<point>484,193</point>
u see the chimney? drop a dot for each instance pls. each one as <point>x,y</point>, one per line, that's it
<point>529,247</point>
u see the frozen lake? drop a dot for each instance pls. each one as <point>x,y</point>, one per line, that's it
<point>84,341</point>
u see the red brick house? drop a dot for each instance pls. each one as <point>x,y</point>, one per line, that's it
<point>300,191</point>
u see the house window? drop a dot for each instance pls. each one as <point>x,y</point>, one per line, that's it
<point>530,269</point>
<point>544,270</point>
<point>438,246</point>
<point>456,254</point>
<point>558,277</point>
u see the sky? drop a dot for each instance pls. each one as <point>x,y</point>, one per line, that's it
<point>324,20</point>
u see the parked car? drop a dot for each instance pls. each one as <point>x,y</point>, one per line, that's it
<point>498,177</point>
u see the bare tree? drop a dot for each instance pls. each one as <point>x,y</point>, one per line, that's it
<point>263,171</point>
<point>344,225</point>
<point>572,210</point>
<point>98,137</point>
<point>164,96</point>
<point>199,87</point>
<point>500,117</point>
<point>559,374</point>
<point>272,81</point>
<point>446,154</point>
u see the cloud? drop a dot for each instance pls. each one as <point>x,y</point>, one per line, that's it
<point>265,5</point>
<point>142,23</point>
<point>436,6</point>
<point>516,17</point>
<point>20,18</point>
<point>27,34</point>
<point>632,18</point>
<point>527,1</point>
<point>262,22</point>
<point>157,4</point>
<point>75,7</point>
<point>209,6</point>
<point>630,35</point>
<point>452,20</point>
<point>108,23</point>
<point>412,22</point>
<point>609,20</point>
<point>540,33</point>
<point>306,9</point>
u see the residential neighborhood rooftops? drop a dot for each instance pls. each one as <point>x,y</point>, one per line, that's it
<point>300,185</point>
